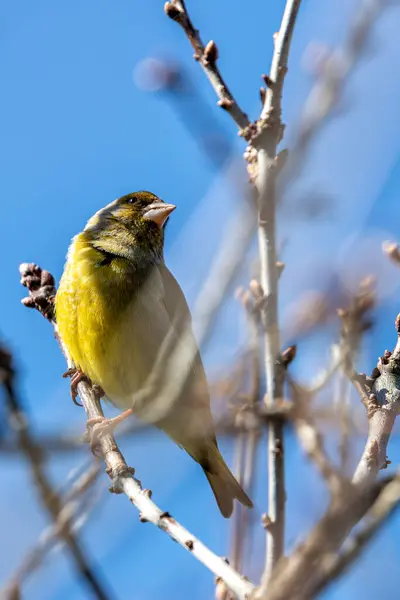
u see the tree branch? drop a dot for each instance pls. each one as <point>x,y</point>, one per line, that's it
<point>269,134</point>
<point>207,57</point>
<point>247,441</point>
<point>311,440</point>
<point>34,456</point>
<point>383,406</point>
<point>70,516</point>
<point>337,563</point>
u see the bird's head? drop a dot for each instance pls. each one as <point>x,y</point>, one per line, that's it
<point>131,227</point>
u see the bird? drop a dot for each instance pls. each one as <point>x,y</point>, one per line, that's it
<point>124,319</point>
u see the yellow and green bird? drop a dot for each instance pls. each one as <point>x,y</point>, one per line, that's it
<point>118,308</point>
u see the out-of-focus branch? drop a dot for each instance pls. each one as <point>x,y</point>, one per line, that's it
<point>332,75</point>
<point>379,393</point>
<point>301,575</point>
<point>355,322</point>
<point>124,482</point>
<point>223,272</point>
<point>247,441</point>
<point>269,134</point>
<point>325,375</point>
<point>207,57</point>
<point>34,456</point>
<point>393,251</point>
<point>71,516</point>
<point>311,439</point>
<point>171,81</point>
<point>337,563</point>
<point>225,425</point>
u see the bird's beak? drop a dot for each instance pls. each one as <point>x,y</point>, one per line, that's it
<point>158,212</point>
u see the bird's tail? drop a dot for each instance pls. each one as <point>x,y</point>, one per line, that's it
<point>222,482</point>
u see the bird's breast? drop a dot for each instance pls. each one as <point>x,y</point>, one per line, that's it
<point>108,323</point>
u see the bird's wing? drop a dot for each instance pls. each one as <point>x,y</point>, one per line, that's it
<point>193,414</point>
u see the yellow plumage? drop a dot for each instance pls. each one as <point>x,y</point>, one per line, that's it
<point>116,308</point>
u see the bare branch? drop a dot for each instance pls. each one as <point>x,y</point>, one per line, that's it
<point>311,440</point>
<point>336,564</point>
<point>247,442</point>
<point>72,515</point>
<point>355,321</point>
<point>266,141</point>
<point>34,456</point>
<point>207,56</point>
<point>383,407</point>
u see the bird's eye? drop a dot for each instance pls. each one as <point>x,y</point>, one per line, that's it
<point>132,200</point>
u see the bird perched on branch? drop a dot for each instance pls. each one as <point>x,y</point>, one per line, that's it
<point>126,325</point>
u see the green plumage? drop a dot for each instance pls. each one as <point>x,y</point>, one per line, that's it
<point>119,309</point>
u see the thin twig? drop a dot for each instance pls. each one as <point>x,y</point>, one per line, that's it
<point>237,536</point>
<point>71,515</point>
<point>207,57</point>
<point>323,377</point>
<point>311,440</point>
<point>34,456</point>
<point>247,441</point>
<point>355,321</point>
<point>225,425</point>
<point>266,141</point>
<point>252,437</point>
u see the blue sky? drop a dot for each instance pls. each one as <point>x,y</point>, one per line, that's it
<point>76,132</point>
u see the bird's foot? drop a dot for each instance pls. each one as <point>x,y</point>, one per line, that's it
<point>76,376</point>
<point>100,426</point>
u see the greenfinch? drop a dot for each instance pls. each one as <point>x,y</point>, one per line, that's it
<point>120,314</point>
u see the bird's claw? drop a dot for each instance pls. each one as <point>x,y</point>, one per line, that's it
<point>97,428</point>
<point>76,376</point>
